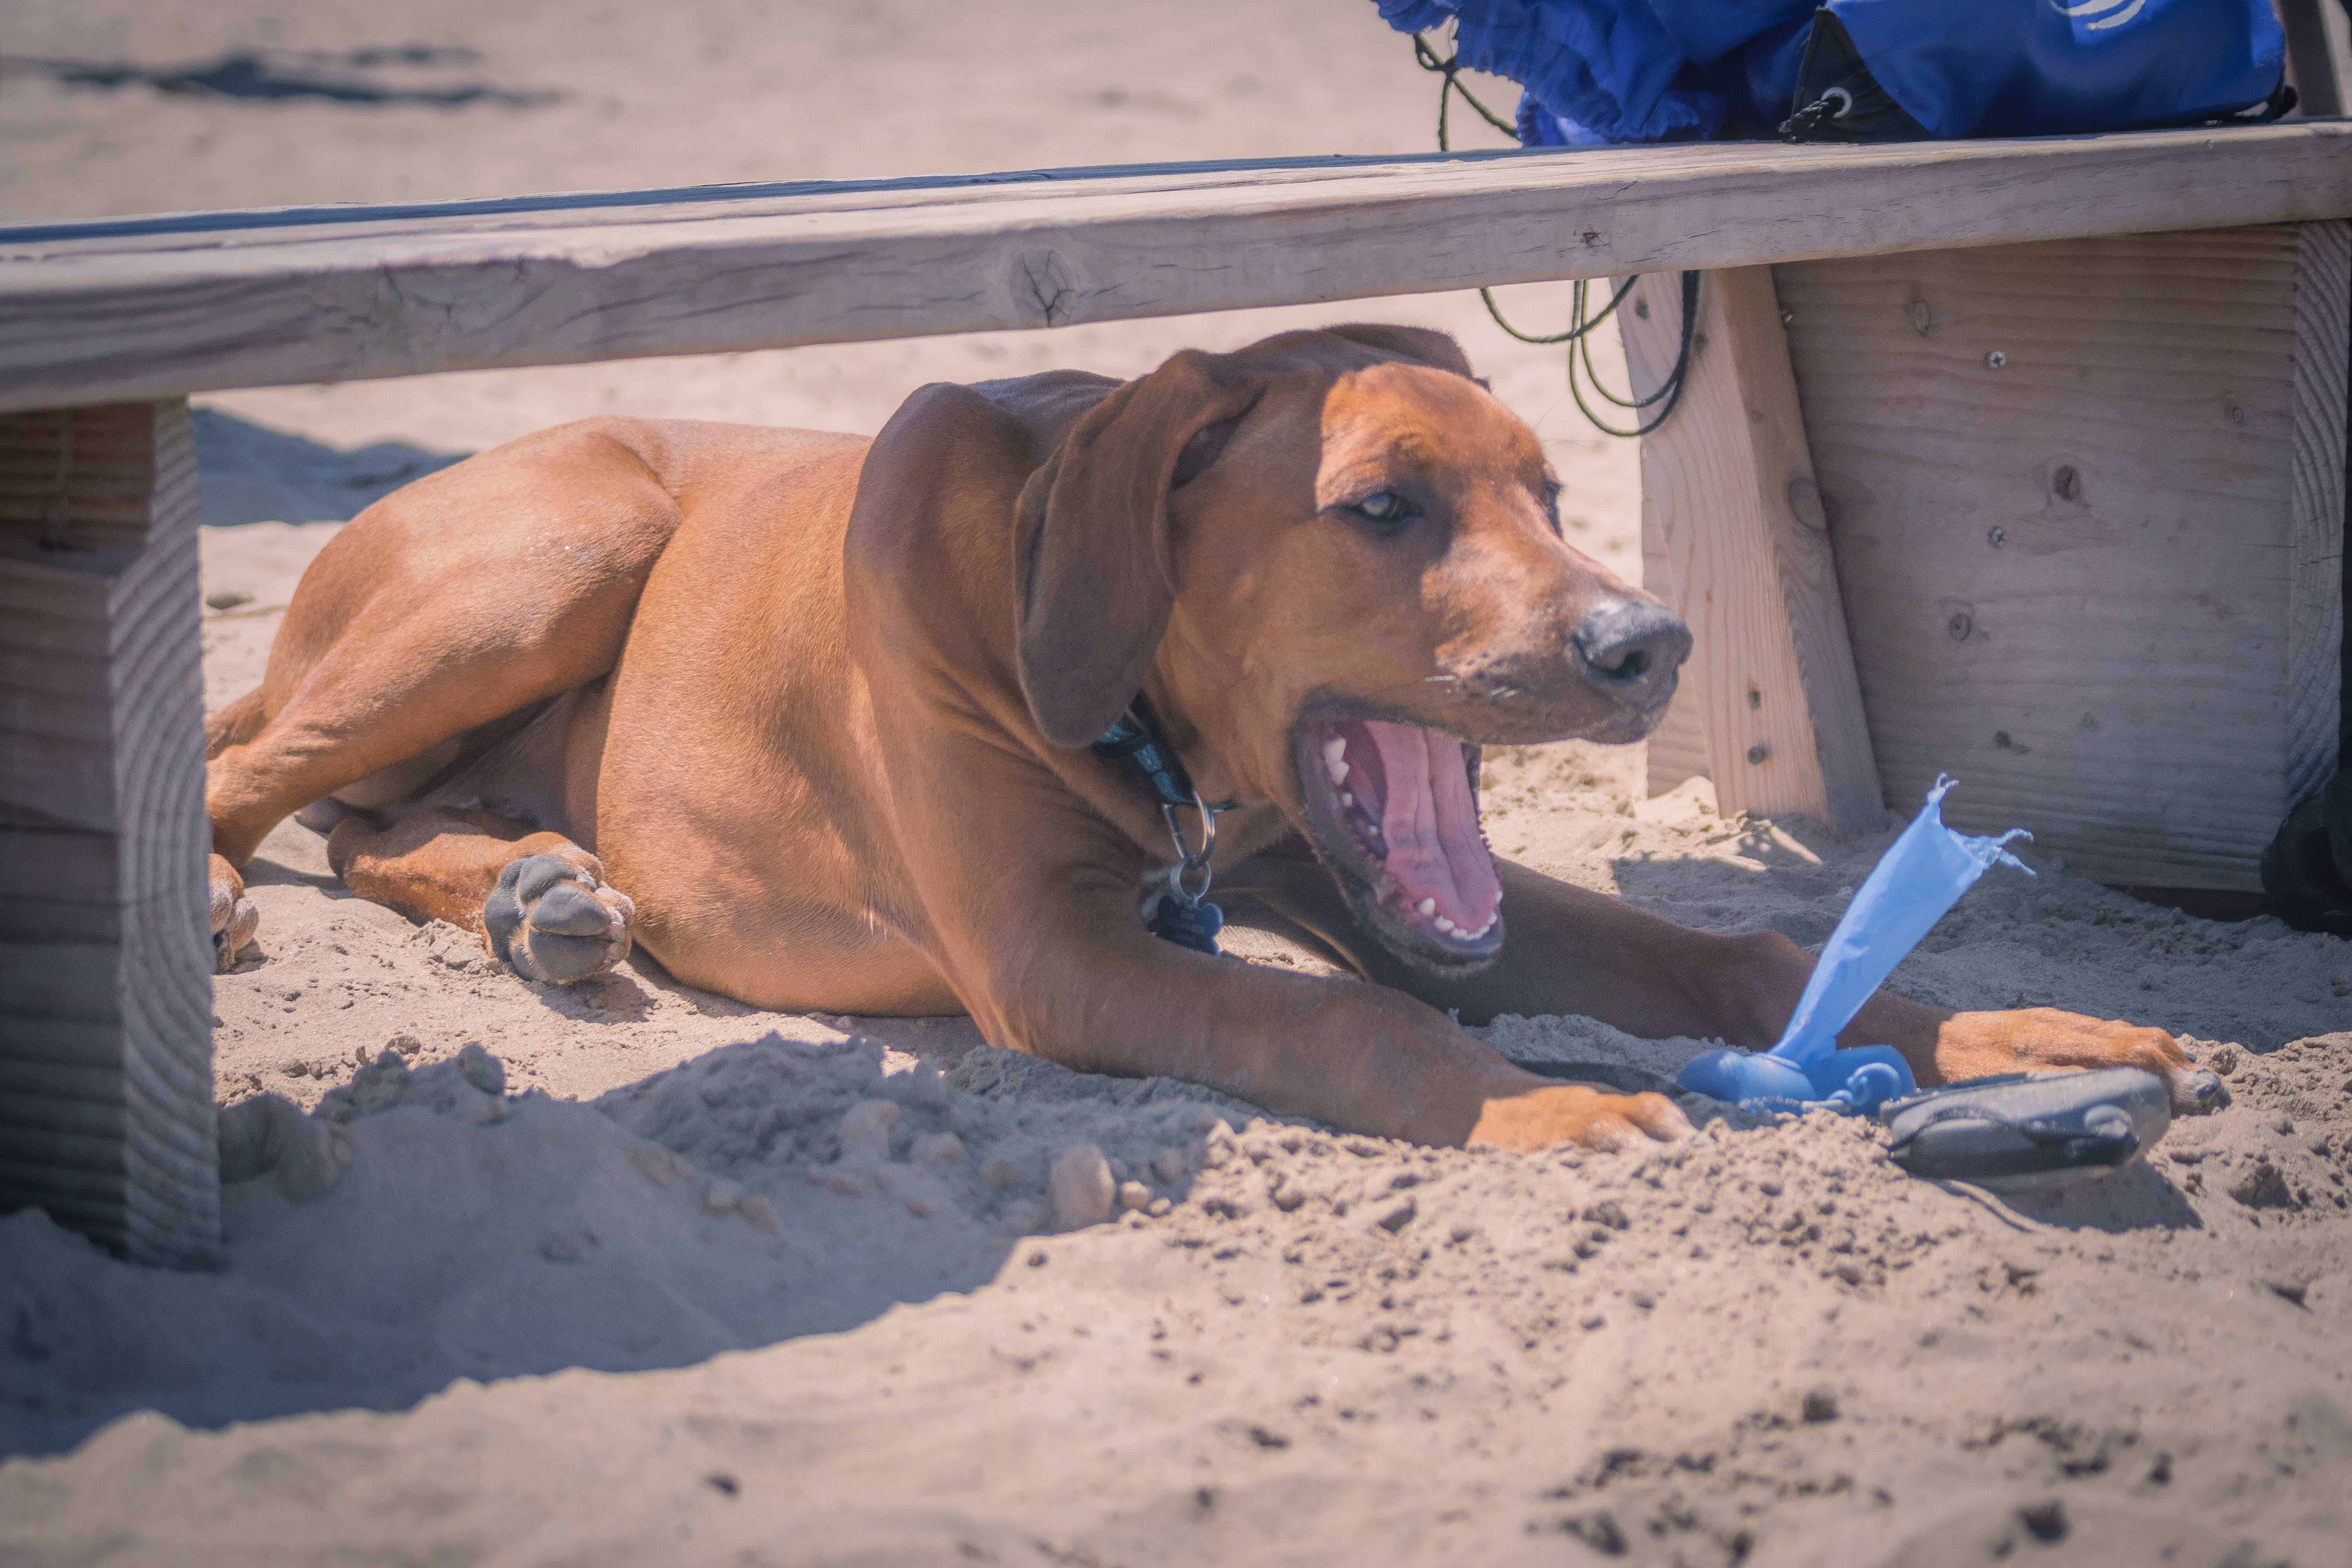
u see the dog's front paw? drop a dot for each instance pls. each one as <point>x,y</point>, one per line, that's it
<point>233,918</point>
<point>2039,1039</point>
<point>1572,1113</point>
<point>551,918</point>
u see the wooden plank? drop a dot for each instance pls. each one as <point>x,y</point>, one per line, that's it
<point>108,310</point>
<point>2317,498</point>
<point>60,880</point>
<point>2313,64</point>
<point>1686,480</point>
<point>2077,495</point>
<point>1733,534</point>
<point>1648,328</point>
<point>106,1104</point>
<point>63,476</point>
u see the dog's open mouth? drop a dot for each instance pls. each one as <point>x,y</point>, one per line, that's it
<point>1394,809</point>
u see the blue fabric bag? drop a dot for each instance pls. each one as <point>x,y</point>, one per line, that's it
<point>1664,71</point>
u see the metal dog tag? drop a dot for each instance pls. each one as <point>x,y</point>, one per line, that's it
<point>1193,925</point>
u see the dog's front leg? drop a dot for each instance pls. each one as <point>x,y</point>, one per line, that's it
<point>1059,966</point>
<point>1574,951</point>
<point>1571,949</point>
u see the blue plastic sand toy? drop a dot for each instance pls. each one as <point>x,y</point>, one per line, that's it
<point>1914,883</point>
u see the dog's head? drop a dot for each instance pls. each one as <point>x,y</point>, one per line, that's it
<point>1341,558</point>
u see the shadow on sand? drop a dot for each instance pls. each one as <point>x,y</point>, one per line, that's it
<point>251,473</point>
<point>761,1191</point>
<point>398,75</point>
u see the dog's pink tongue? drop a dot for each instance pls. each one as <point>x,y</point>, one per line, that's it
<point>1431,824</point>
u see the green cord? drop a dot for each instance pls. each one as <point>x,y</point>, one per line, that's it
<point>1580,326</point>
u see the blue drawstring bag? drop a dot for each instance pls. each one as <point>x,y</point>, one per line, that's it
<point>1919,879</point>
<point>1895,70</point>
<point>1664,71</point>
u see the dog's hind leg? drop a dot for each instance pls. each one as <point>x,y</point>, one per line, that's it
<point>441,610</point>
<point>445,606</point>
<point>234,918</point>
<point>235,724</point>
<point>538,900</point>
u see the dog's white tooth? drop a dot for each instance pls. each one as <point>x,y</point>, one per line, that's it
<point>1335,759</point>
<point>1427,906</point>
<point>1447,926</point>
<point>1346,799</point>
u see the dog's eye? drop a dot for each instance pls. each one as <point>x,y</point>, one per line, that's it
<point>1551,504</point>
<point>1384,510</point>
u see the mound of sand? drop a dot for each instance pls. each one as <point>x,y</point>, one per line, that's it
<point>767,1190</point>
<point>1766,1344</point>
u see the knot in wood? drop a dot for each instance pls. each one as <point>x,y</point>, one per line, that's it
<point>1042,287</point>
<point>1805,504</point>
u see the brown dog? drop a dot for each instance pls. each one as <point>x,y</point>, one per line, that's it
<point>820,707</point>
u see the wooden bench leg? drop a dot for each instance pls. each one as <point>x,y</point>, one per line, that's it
<point>2089,501</point>
<point>2315,62</point>
<point>106,1094</point>
<point>1734,536</point>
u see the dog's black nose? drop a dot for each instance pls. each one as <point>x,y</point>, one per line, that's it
<point>1630,647</point>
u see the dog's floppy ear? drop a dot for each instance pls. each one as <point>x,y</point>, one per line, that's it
<point>1429,347</point>
<point>1094,581</point>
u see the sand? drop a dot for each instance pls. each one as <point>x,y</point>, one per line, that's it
<point>633,1273</point>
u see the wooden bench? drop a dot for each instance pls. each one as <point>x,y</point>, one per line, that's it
<point>2094,575</point>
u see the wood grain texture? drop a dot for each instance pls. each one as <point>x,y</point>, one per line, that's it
<point>106,1104</point>
<point>76,476</point>
<point>1734,536</point>
<point>1647,328</point>
<point>2063,493</point>
<point>154,307</point>
<point>2315,660</point>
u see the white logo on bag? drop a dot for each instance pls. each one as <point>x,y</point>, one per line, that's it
<point>2092,7</point>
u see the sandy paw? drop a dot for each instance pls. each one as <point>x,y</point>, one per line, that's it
<point>2033,1039</point>
<point>551,918</point>
<point>1572,1113</point>
<point>235,919</point>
